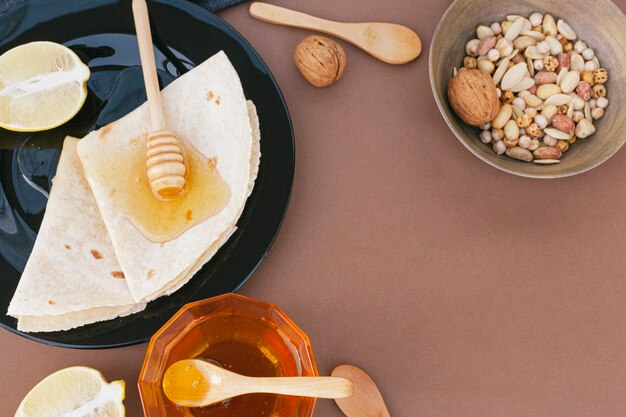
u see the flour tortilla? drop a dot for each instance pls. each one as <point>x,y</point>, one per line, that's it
<point>255,159</point>
<point>217,128</point>
<point>69,278</point>
<point>72,210</point>
<point>74,319</point>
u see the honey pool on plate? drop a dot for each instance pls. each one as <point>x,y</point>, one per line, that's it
<point>243,336</point>
<point>124,177</point>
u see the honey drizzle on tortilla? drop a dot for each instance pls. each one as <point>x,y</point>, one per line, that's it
<point>123,175</point>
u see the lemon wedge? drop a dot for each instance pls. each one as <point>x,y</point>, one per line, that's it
<point>42,86</point>
<point>74,392</point>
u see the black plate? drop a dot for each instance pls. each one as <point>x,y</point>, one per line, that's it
<point>102,34</point>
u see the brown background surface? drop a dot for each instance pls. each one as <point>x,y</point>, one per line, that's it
<point>462,290</point>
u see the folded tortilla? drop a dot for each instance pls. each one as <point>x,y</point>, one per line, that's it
<point>255,159</point>
<point>208,109</point>
<point>72,276</point>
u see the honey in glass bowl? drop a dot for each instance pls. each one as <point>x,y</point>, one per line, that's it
<point>240,334</point>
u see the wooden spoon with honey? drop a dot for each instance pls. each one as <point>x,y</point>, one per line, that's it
<point>196,383</point>
<point>165,159</point>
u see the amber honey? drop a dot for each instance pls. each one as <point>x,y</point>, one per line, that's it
<point>244,345</point>
<point>242,335</point>
<point>123,176</point>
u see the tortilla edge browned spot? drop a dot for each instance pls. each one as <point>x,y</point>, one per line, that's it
<point>105,131</point>
<point>97,255</point>
<point>118,274</point>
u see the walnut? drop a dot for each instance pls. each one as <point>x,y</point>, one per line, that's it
<point>320,60</point>
<point>473,97</point>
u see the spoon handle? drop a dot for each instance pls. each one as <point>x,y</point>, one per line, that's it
<point>320,387</point>
<point>148,66</point>
<point>281,16</point>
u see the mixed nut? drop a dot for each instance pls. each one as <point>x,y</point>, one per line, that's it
<point>550,85</point>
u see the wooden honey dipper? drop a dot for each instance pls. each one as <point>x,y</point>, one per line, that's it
<point>165,163</point>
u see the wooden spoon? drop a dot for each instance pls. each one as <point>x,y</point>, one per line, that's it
<point>165,162</point>
<point>366,400</point>
<point>391,43</point>
<point>196,383</point>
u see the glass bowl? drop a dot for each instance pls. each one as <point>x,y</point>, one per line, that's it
<point>241,334</point>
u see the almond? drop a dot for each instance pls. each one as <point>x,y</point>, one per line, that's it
<point>570,81</point>
<point>558,99</point>
<point>497,76</point>
<point>549,25</point>
<point>545,77</point>
<point>564,61</point>
<point>577,63</point>
<point>566,30</point>
<point>520,154</point>
<point>555,46</point>
<point>524,42</point>
<point>563,123</point>
<point>525,84</point>
<point>515,29</point>
<point>546,90</point>
<point>547,152</point>
<point>486,44</point>
<point>583,90</point>
<point>532,53</point>
<point>538,36</point>
<point>503,116</point>
<point>556,133</point>
<point>513,76</point>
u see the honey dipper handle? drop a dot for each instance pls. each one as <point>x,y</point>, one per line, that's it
<point>146,53</point>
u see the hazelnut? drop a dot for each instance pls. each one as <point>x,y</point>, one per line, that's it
<point>562,145</point>
<point>598,91</point>
<point>587,77</point>
<point>600,76</point>
<point>320,60</point>
<point>470,62</point>
<point>508,97</point>
<point>534,131</point>
<point>523,121</point>
<point>473,96</point>
<point>550,63</point>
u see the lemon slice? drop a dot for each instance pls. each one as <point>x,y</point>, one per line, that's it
<point>42,86</point>
<point>74,392</point>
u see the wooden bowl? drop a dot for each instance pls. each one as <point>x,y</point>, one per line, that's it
<point>599,23</point>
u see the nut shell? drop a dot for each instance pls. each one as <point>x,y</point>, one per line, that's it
<point>320,60</point>
<point>473,97</point>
